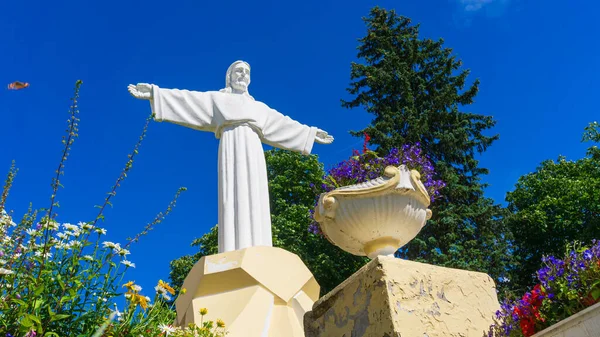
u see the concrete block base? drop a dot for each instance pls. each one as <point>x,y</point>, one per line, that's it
<point>257,292</point>
<point>391,297</point>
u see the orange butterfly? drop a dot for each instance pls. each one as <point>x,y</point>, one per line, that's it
<point>18,85</point>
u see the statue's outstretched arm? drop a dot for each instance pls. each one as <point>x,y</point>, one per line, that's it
<point>141,90</point>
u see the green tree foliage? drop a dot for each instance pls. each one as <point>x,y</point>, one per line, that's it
<point>592,134</point>
<point>555,205</point>
<point>415,89</point>
<point>294,182</point>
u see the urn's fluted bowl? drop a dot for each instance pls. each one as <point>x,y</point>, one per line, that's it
<point>376,217</point>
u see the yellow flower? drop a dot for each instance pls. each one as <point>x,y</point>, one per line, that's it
<point>129,285</point>
<point>203,311</point>
<point>141,300</point>
<point>183,291</point>
<point>166,286</point>
<point>220,323</point>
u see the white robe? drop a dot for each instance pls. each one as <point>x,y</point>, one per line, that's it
<point>242,124</point>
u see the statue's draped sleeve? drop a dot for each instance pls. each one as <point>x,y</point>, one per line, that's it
<point>192,109</point>
<point>283,132</point>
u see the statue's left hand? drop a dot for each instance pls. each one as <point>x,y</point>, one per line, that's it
<point>322,137</point>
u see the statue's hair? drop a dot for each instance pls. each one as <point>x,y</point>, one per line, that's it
<point>228,88</point>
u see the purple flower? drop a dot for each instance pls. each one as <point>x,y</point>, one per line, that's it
<point>587,255</point>
<point>491,332</point>
<point>314,228</point>
<point>543,275</point>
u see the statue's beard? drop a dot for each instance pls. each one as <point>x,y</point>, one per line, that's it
<point>240,85</point>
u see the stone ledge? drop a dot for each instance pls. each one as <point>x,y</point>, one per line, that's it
<point>394,297</point>
<point>585,323</point>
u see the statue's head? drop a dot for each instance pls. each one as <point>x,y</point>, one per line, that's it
<point>237,78</point>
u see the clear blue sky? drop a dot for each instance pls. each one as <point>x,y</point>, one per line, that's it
<point>537,61</point>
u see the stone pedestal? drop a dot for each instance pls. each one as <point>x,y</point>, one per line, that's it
<point>391,297</point>
<point>257,291</point>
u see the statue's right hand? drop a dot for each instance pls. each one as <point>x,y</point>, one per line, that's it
<point>141,90</point>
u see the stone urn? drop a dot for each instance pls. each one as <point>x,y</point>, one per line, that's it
<point>376,217</point>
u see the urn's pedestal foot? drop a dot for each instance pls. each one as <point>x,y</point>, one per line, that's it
<point>393,297</point>
<point>383,246</point>
<point>257,291</point>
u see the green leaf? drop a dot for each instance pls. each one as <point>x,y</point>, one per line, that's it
<point>26,322</point>
<point>596,294</point>
<point>34,319</point>
<point>21,303</point>
<point>39,290</point>
<point>59,317</point>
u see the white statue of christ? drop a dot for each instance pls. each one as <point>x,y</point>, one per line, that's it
<point>242,125</point>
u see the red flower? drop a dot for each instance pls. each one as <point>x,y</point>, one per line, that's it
<point>367,139</point>
<point>517,311</point>
<point>529,310</point>
<point>527,327</point>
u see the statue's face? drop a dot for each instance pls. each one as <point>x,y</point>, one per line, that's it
<point>240,77</point>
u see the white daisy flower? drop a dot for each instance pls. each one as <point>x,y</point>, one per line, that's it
<point>53,225</point>
<point>128,263</point>
<point>31,231</point>
<point>6,219</point>
<point>122,251</point>
<point>100,230</point>
<point>85,225</point>
<point>108,244</point>
<point>46,255</point>
<point>75,243</point>
<point>4,271</point>
<point>70,227</point>
<point>166,328</point>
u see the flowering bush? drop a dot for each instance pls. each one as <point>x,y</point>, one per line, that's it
<point>143,318</point>
<point>60,279</point>
<point>565,287</point>
<point>368,165</point>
